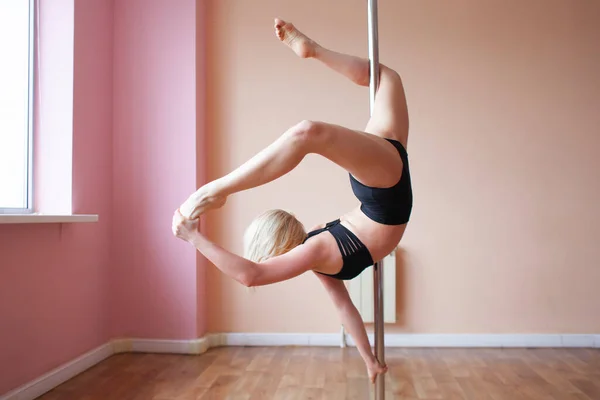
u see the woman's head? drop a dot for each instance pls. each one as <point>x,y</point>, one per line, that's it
<point>272,233</point>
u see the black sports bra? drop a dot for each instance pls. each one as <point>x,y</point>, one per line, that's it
<point>388,206</point>
<point>355,255</point>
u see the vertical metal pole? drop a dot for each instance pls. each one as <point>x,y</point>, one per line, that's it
<point>373,50</point>
<point>378,267</point>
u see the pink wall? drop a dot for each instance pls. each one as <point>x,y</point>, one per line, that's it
<point>65,289</point>
<point>54,278</point>
<point>503,100</point>
<point>153,275</point>
<point>505,122</point>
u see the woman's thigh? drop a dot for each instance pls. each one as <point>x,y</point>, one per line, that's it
<point>390,113</point>
<point>371,159</point>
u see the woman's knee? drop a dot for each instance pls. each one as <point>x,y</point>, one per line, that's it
<point>390,73</point>
<point>306,133</point>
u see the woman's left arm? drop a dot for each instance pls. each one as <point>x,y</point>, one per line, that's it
<point>280,268</point>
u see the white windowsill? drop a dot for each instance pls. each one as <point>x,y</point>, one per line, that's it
<point>46,218</point>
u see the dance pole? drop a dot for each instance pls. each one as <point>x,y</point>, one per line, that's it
<point>378,267</point>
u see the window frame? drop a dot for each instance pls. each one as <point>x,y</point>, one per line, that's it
<point>29,209</point>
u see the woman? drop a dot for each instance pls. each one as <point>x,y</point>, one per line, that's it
<point>276,245</point>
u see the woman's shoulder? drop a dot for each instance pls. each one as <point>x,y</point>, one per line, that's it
<point>317,227</point>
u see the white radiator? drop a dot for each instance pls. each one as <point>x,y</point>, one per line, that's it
<point>362,290</point>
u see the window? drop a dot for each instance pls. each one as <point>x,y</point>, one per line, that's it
<point>16,105</point>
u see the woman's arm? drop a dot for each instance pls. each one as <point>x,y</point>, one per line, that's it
<point>352,322</point>
<point>286,266</point>
<point>351,318</point>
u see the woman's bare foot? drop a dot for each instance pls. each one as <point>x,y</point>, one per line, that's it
<point>201,201</point>
<point>294,39</point>
<point>375,369</point>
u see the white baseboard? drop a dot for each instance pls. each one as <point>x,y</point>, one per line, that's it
<point>487,340</point>
<point>47,382</point>
<point>192,346</point>
<point>275,339</point>
<point>59,375</point>
<point>410,340</point>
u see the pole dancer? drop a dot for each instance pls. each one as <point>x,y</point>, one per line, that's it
<point>276,245</point>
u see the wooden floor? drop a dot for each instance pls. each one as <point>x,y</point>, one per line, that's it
<point>333,373</point>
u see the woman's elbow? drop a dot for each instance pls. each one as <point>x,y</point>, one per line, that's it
<point>247,281</point>
<point>248,278</point>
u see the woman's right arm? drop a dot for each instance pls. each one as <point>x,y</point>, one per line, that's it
<point>350,317</point>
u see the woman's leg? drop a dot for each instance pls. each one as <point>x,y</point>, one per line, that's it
<point>352,150</point>
<point>390,114</point>
<point>354,68</point>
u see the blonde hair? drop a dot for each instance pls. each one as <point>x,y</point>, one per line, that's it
<point>272,233</point>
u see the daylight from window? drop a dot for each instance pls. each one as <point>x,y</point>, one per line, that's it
<point>14,103</point>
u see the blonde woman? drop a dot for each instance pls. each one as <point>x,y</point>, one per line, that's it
<point>277,247</point>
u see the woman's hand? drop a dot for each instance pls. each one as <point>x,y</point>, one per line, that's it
<point>184,228</point>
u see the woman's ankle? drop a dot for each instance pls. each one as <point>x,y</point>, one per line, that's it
<point>318,51</point>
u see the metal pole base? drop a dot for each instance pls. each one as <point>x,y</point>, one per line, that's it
<point>379,333</point>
